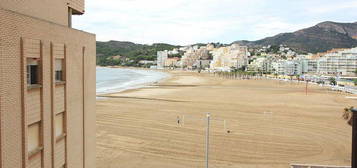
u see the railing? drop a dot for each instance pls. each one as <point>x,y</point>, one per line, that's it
<point>347,89</point>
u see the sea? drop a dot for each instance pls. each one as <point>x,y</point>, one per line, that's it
<point>111,80</point>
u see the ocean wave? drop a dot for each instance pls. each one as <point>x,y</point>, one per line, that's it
<point>111,80</point>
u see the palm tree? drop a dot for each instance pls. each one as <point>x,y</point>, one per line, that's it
<point>298,77</point>
<point>347,115</point>
<point>332,81</point>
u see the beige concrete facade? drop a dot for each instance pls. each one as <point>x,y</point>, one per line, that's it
<point>61,113</point>
<point>55,11</point>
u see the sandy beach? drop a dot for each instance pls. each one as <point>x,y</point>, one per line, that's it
<point>271,124</point>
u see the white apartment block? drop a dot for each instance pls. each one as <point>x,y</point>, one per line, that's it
<point>338,63</point>
<point>342,63</point>
<point>257,65</point>
<point>161,59</point>
<point>311,66</point>
<point>278,67</point>
<point>290,67</point>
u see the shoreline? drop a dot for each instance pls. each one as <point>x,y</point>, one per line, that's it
<point>345,89</point>
<point>166,76</point>
<point>170,74</point>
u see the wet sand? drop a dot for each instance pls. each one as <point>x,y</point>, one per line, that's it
<point>271,124</point>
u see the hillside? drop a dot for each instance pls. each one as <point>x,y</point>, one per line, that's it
<point>127,53</point>
<point>319,38</point>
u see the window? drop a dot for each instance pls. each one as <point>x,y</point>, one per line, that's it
<point>59,70</point>
<point>59,121</point>
<point>33,137</point>
<point>32,71</point>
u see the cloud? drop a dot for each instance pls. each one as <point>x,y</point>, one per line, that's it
<point>273,26</point>
<point>191,21</point>
<point>329,7</point>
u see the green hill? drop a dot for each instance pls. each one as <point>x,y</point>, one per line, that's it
<point>127,53</point>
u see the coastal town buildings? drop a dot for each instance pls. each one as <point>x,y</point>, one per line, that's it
<point>206,57</point>
<point>282,61</point>
<point>337,62</point>
<point>47,93</point>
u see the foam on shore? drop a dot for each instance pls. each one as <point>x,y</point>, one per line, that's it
<point>111,80</point>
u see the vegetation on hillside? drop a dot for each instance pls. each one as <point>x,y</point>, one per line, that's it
<point>127,53</point>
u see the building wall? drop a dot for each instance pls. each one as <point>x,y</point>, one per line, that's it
<point>18,109</point>
<point>51,10</point>
<point>77,5</point>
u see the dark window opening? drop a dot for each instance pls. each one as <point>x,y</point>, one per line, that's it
<point>59,73</point>
<point>59,76</point>
<point>32,74</point>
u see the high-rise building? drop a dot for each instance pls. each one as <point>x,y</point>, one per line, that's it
<point>161,59</point>
<point>47,86</point>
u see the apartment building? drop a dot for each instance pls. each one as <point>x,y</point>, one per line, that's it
<point>239,56</point>
<point>338,63</point>
<point>257,65</point>
<point>290,67</point>
<point>311,66</point>
<point>162,56</point>
<point>172,62</point>
<point>279,67</point>
<point>189,58</point>
<point>234,56</point>
<point>193,55</point>
<point>47,86</point>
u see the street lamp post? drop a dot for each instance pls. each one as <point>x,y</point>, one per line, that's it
<point>207,138</point>
<point>354,138</point>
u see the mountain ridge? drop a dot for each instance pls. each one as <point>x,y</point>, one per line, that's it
<point>319,38</point>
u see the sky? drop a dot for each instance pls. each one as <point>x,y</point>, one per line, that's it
<point>184,22</point>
